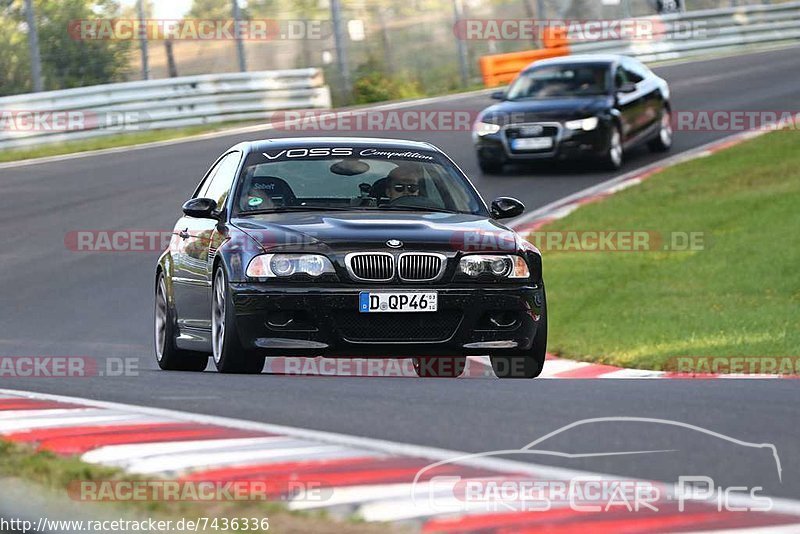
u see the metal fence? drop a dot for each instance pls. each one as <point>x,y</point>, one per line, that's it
<point>85,112</point>
<point>709,31</point>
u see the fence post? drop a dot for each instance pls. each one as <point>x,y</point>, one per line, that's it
<point>237,16</point>
<point>33,46</point>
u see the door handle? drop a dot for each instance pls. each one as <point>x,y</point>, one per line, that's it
<point>184,234</point>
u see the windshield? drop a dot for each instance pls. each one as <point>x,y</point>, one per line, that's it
<point>560,81</point>
<point>342,178</point>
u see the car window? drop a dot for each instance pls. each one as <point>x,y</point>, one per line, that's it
<point>202,187</point>
<point>635,72</point>
<point>620,77</point>
<point>370,179</point>
<point>551,81</point>
<point>219,185</point>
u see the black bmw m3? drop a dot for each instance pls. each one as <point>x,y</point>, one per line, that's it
<point>347,247</point>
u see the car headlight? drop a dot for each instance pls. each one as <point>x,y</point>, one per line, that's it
<point>587,124</point>
<point>505,266</point>
<point>284,265</point>
<point>485,128</point>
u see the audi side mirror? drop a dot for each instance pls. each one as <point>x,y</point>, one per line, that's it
<point>498,95</point>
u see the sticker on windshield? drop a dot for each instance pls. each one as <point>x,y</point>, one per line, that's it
<point>321,152</point>
<point>254,201</point>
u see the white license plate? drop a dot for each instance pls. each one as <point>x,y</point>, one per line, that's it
<point>532,143</point>
<point>369,302</point>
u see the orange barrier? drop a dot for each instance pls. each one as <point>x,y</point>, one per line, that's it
<point>501,69</point>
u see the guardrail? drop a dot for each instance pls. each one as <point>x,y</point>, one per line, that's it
<point>500,69</point>
<point>84,112</point>
<point>682,35</point>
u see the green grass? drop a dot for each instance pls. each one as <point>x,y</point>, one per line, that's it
<point>112,141</point>
<point>739,296</point>
<point>53,474</point>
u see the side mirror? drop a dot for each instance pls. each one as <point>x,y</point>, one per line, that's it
<point>498,95</point>
<point>506,207</point>
<point>201,208</point>
<point>627,87</point>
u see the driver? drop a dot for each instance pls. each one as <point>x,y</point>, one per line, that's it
<point>403,182</point>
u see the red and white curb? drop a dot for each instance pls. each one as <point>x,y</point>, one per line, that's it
<point>372,479</point>
<point>477,367</point>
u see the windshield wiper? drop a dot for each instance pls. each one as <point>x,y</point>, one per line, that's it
<point>296,208</point>
<point>420,208</point>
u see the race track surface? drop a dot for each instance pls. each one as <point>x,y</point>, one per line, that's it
<point>62,302</point>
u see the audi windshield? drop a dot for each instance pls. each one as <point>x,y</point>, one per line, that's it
<point>559,81</point>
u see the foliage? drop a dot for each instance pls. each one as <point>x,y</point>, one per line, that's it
<point>66,62</point>
<point>372,84</point>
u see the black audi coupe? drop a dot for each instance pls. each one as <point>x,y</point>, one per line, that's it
<point>592,106</point>
<point>347,247</point>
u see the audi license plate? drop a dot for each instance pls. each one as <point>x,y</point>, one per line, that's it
<point>532,143</point>
<point>369,302</point>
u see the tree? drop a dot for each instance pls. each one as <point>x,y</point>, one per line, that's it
<point>66,60</point>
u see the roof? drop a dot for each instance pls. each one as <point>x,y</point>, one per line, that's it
<point>307,142</point>
<point>577,58</point>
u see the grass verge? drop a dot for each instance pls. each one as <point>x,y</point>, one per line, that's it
<point>737,296</point>
<point>51,474</point>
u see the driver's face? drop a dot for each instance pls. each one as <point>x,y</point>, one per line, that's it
<point>403,185</point>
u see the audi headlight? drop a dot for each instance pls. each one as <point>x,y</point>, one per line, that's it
<point>485,128</point>
<point>284,265</point>
<point>505,266</point>
<point>587,124</point>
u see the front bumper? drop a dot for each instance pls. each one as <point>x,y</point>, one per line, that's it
<point>326,321</point>
<point>567,145</point>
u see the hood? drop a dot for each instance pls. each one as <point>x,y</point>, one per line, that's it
<point>341,232</point>
<point>545,109</point>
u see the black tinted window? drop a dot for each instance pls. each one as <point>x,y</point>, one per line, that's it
<point>219,185</point>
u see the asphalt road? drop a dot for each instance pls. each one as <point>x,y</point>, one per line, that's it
<point>60,302</point>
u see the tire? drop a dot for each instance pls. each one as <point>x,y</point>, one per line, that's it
<point>663,141</point>
<point>439,367</point>
<point>490,166</point>
<point>528,363</point>
<point>612,160</point>
<point>168,356</point>
<point>228,353</point>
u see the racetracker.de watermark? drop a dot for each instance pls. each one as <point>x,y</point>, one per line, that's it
<point>617,241</point>
<point>586,494</point>
<point>735,120</point>
<point>748,365</point>
<point>21,120</point>
<point>208,491</point>
<point>66,367</point>
<point>579,30</point>
<point>191,29</point>
<point>374,120</point>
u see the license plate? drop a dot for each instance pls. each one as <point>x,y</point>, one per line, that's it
<point>532,143</point>
<point>369,302</point>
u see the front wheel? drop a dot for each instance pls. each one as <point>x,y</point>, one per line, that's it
<point>441,367</point>
<point>662,142</point>
<point>612,160</point>
<point>229,354</point>
<point>169,357</point>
